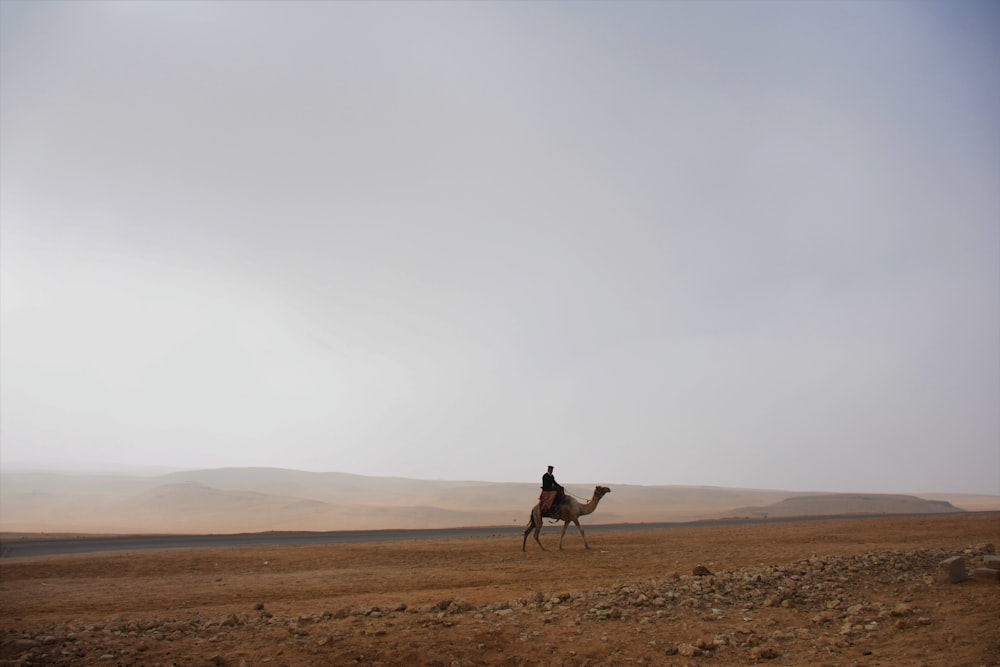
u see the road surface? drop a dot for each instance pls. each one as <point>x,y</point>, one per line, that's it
<point>30,547</point>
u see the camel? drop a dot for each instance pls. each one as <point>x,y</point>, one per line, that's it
<point>569,510</point>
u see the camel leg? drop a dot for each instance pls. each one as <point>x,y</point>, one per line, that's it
<point>563,534</point>
<point>582,536</point>
<point>534,523</point>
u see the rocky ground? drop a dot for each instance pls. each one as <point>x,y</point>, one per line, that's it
<point>858,592</point>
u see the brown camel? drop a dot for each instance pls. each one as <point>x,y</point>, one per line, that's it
<point>569,510</point>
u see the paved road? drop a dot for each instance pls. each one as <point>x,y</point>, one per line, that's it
<point>47,547</point>
<point>20,548</point>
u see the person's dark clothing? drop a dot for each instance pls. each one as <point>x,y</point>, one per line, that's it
<point>549,482</point>
<point>552,493</point>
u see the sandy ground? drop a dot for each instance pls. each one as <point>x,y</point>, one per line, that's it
<point>844,592</point>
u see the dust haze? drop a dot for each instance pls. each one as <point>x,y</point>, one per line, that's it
<point>233,500</point>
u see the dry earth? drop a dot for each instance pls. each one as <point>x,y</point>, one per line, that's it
<point>832,592</point>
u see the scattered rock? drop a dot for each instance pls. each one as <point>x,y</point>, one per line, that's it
<point>952,570</point>
<point>991,561</point>
<point>688,650</point>
<point>763,653</point>
<point>834,612</point>
<point>229,620</point>
<point>901,609</point>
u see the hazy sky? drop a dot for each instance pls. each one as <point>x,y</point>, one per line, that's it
<point>735,244</point>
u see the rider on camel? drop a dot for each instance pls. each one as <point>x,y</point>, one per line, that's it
<point>552,492</point>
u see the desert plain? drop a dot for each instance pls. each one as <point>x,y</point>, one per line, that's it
<point>858,591</point>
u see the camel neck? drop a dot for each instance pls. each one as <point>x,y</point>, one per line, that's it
<point>590,506</point>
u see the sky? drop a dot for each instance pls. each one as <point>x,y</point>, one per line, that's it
<point>749,244</point>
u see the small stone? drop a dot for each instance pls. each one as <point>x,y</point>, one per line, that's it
<point>763,653</point>
<point>688,650</point>
<point>824,616</point>
<point>901,609</point>
<point>986,574</point>
<point>991,561</point>
<point>460,604</point>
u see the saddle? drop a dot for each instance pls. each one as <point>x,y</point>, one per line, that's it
<point>549,502</point>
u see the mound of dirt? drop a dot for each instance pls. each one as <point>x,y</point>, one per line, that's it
<point>836,504</point>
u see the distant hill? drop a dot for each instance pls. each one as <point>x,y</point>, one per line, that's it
<point>849,503</point>
<point>232,500</point>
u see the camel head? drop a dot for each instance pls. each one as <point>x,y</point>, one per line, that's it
<point>601,491</point>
